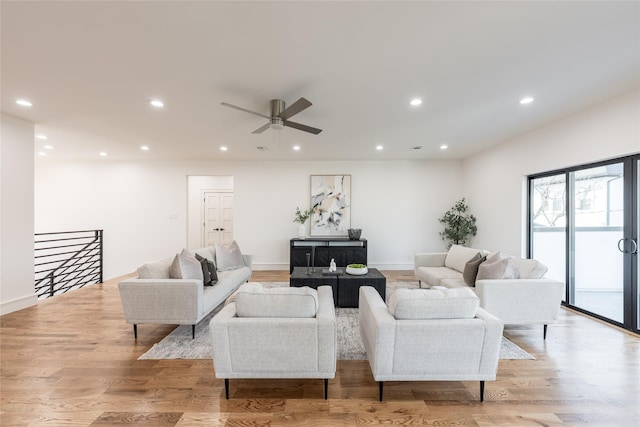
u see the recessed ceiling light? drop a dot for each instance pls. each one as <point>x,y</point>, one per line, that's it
<point>24,103</point>
<point>223,148</point>
<point>41,136</point>
<point>41,153</point>
<point>157,103</point>
<point>415,102</point>
<point>102,153</point>
<point>296,147</point>
<point>444,146</point>
<point>144,148</point>
<point>526,100</point>
<point>48,147</point>
<point>379,147</point>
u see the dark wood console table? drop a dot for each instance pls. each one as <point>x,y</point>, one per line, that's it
<point>343,250</point>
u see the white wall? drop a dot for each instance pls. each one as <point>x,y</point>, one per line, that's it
<point>16,214</point>
<point>142,206</point>
<point>494,180</point>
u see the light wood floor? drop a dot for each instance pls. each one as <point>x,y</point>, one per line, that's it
<point>72,361</point>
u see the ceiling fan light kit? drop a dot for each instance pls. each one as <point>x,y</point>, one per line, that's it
<point>279,115</point>
<point>276,123</point>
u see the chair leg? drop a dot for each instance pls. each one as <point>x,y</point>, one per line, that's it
<point>380,383</point>
<point>226,388</point>
<point>481,391</point>
<point>420,284</point>
<point>135,331</point>
<point>193,332</point>
<point>544,332</point>
<point>326,388</point>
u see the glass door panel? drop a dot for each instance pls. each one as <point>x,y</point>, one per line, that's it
<point>597,226</point>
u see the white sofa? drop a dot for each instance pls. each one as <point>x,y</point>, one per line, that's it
<point>429,335</point>
<point>527,297</point>
<point>275,333</point>
<point>154,297</point>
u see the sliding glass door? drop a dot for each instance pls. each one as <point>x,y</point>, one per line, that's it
<point>583,223</point>
<point>597,219</point>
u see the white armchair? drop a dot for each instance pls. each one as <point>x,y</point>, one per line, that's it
<point>429,335</point>
<point>276,333</point>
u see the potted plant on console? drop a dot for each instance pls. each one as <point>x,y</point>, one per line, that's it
<point>301,217</point>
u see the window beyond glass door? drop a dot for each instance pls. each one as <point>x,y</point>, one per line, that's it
<point>548,224</point>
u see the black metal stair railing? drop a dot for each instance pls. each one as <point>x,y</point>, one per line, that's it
<point>67,260</point>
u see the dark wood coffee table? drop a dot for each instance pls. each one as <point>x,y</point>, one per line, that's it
<point>349,286</point>
<point>346,287</point>
<point>299,278</point>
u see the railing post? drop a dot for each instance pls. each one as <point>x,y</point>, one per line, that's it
<point>99,233</point>
<point>51,283</point>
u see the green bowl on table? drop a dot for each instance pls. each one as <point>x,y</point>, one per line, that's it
<point>356,269</point>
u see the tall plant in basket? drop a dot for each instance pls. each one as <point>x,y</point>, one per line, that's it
<point>459,224</point>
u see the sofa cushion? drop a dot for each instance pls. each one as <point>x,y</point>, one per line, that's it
<point>185,266</point>
<point>453,283</point>
<point>458,256</point>
<point>471,269</point>
<point>498,266</point>
<point>257,301</point>
<point>419,304</point>
<point>433,276</point>
<point>155,270</point>
<point>229,257</point>
<point>530,268</point>
<point>244,287</point>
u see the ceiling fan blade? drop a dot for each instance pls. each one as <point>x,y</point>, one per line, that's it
<point>244,109</point>
<point>295,108</point>
<point>302,127</point>
<point>262,128</point>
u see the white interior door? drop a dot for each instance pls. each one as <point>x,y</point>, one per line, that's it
<point>218,218</point>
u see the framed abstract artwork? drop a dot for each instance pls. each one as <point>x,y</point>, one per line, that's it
<point>331,204</point>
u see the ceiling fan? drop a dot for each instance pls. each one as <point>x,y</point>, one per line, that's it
<point>280,115</point>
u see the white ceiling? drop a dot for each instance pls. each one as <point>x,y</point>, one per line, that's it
<point>90,69</point>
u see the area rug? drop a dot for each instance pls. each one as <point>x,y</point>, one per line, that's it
<point>179,344</point>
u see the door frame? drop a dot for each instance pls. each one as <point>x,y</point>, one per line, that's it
<point>203,201</point>
<point>195,184</point>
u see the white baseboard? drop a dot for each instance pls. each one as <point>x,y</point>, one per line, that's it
<point>18,304</point>
<point>285,266</point>
<point>270,266</point>
<point>392,266</point>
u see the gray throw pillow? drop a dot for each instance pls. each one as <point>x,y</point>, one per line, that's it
<point>229,257</point>
<point>500,267</point>
<point>471,269</point>
<point>210,276</point>
<point>185,266</point>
